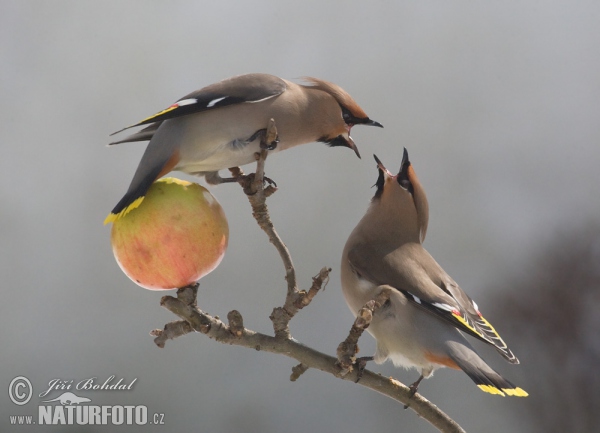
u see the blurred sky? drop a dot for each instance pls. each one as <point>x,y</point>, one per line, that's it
<point>496,102</point>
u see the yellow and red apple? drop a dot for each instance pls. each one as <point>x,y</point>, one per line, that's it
<point>177,235</point>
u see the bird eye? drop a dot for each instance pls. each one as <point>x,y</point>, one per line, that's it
<point>347,116</point>
<point>405,183</point>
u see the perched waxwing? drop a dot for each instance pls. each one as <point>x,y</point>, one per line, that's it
<point>221,126</point>
<point>420,324</point>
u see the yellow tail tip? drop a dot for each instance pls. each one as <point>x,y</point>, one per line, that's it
<point>112,217</point>
<point>491,389</point>
<point>514,392</point>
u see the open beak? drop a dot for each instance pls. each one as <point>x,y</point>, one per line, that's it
<point>370,122</point>
<point>405,162</point>
<point>352,145</point>
<point>381,167</point>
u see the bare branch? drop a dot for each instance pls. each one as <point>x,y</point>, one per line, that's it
<point>347,350</point>
<point>257,195</point>
<point>219,331</point>
<point>298,371</point>
<point>171,331</point>
<point>295,301</point>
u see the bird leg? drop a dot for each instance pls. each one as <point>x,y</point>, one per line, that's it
<point>214,178</point>
<point>413,388</point>
<point>237,175</point>
<point>361,364</point>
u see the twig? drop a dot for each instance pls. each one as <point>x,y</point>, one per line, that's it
<point>171,331</point>
<point>347,350</point>
<point>298,371</point>
<point>295,301</point>
<point>257,195</point>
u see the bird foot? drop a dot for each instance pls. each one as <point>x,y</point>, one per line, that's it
<point>413,389</point>
<point>214,178</point>
<point>250,178</point>
<point>237,176</point>
<point>270,145</point>
<point>361,364</point>
<point>270,181</point>
<point>247,181</point>
<point>268,139</point>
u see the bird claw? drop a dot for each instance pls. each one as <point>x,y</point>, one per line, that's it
<point>268,180</point>
<point>247,182</point>
<point>269,139</point>
<point>361,364</point>
<point>269,146</point>
<point>214,178</point>
<point>413,389</point>
<point>237,175</point>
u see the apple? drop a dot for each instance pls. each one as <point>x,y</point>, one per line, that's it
<point>177,235</point>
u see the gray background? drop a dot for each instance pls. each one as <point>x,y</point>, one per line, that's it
<point>497,103</point>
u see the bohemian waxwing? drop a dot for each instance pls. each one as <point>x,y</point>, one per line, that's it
<point>419,325</point>
<point>221,126</point>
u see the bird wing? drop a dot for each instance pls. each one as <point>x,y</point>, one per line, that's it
<point>411,270</point>
<point>236,90</point>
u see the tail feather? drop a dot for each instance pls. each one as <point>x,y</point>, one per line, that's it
<point>134,196</point>
<point>142,135</point>
<point>123,209</point>
<point>158,159</point>
<point>484,377</point>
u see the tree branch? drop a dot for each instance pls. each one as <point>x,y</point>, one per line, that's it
<point>347,350</point>
<point>217,330</point>
<point>234,333</point>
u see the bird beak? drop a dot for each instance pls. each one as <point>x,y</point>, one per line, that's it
<point>405,162</point>
<point>352,145</point>
<point>370,122</point>
<point>381,167</point>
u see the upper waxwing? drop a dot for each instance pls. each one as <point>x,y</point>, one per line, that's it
<point>221,126</point>
<point>420,324</point>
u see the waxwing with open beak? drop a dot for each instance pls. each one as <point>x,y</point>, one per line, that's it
<point>420,326</point>
<point>221,126</point>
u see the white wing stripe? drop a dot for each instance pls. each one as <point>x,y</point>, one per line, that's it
<point>215,101</point>
<point>187,102</point>
<point>442,306</point>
